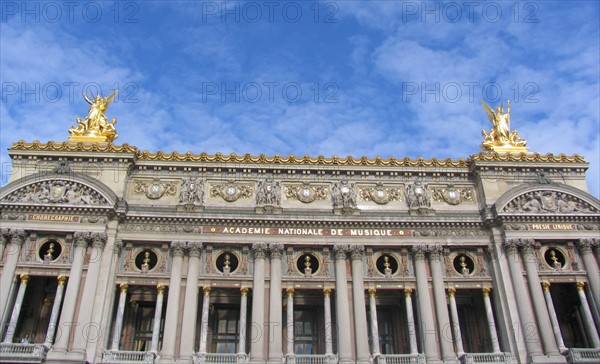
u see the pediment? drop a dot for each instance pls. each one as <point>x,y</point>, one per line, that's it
<point>548,202</point>
<point>57,192</point>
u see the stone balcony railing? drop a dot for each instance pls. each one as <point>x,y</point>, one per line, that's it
<point>311,359</point>
<point>217,358</point>
<point>399,359</point>
<point>486,358</point>
<point>128,357</point>
<point>591,356</point>
<point>22,353</point>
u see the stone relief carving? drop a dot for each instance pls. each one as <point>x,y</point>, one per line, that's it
<point>231,191</point>
<point>547,202</point>
<point>192,191</point>
<point>268,192</point>
<point>155,189</point>
<point>380,194</point>
<point>57,192</point>
<point>343,195</point>
<point>452,195</point>
<point>417,196</point>
<point>306,193</point>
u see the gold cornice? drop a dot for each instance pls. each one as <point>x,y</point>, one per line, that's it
<point>526,157</point>
<point>74,147</point>
<point>292,159</point>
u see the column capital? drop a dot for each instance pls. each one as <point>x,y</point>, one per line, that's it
<point>372,292</point>
<point>491,251</point>
<point>206,290</point>
<point>290,292</point>
<point>451,291</point>
<point>193,248</point>
<point>419,251</point>
<point>160,288</point>
<point>527,245</point>
<point>123,287</point>
<point>260,250</point>
<point>81,238</point>
<point>118,246</point>
<point>486,291</point>
<point>17,236</point>
<point>4,236</point>
<point>276,250</point>
<point>98,240</point>
<point>408,292</point>
<point>580,285</point>
<point>586,245</point>
<point>178,248</point>
<point>435,252</point>
<point>357,252</point>
<point>511,245</point>
<point>340,251</point>
<point>62,280</point>
<point>327,292</point>
<point>24,278</point>
<point>546,286</point>
<point>244,291</point>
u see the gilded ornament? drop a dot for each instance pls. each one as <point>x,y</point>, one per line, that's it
<point>155,189</point>
<point>452,195</point>
<point>95,127</point>
<point>381,195</point>
<point>231,191</point>
<point>500,138</point>
<point>306,193</point>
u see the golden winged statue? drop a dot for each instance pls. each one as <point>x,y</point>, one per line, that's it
<point>95,127</point>
<point>501,138</point>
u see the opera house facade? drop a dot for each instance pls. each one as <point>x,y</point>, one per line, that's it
<point>114,255</point>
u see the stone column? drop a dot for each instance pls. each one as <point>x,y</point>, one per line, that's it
<point>171,316</point>
<point>157,318</point>
<point>361,335</point>
<point>532,340</point>
<point>588,320</point>
<point>455,323</point>
<point>410,319</point>
<point>425,309</point>
<point>342,305</point>
<point>58,296</point>
<point>593,274</point>
<point>204,320</point>
<point>72,292</point>
<point>441,307</point>
<point>530,261</point>
<point>490,318</point>
<point>17,238</point>
<point>553,318</point>
<point>328,323</point>
<point>119,319</point>
<point>4,238</point>
<point>257,343</point>
<point>88,295</point>
<point>14,318</point>
<point>190,309</point>
<point>275,305</point>
<point>374,328</point>
<point>290,321</point>
<point>243,315</point>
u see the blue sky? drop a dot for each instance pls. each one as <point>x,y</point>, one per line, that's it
<point>387,78</point>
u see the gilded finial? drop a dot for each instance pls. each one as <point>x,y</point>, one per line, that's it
<point>95,127</point>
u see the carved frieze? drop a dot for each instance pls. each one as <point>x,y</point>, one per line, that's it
<point>343,195</point>
<point>452,195</point>
<point>306,193</point>
<point>547,202</point>
<point>57,192</point>
<point>192,191</point>
<point>380,194</point>
<point>268,192</point>
<point>231,191</point>
<point>155,189</point>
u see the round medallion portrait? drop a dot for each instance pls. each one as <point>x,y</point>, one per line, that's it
<point>146,260</point>
<point>227,262</point>
<point>50,250</point>
<point>387,264</point>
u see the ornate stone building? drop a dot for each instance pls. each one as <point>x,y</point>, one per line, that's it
<point>114,255</point>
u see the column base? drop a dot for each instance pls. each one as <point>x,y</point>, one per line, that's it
<point>553,359</point>
<point>346,361</point>
<point>256,361</point>
<point>276,361</point>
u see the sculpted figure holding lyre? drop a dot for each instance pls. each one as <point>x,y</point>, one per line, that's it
<point>500,138</point>
<point>95,126</point>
